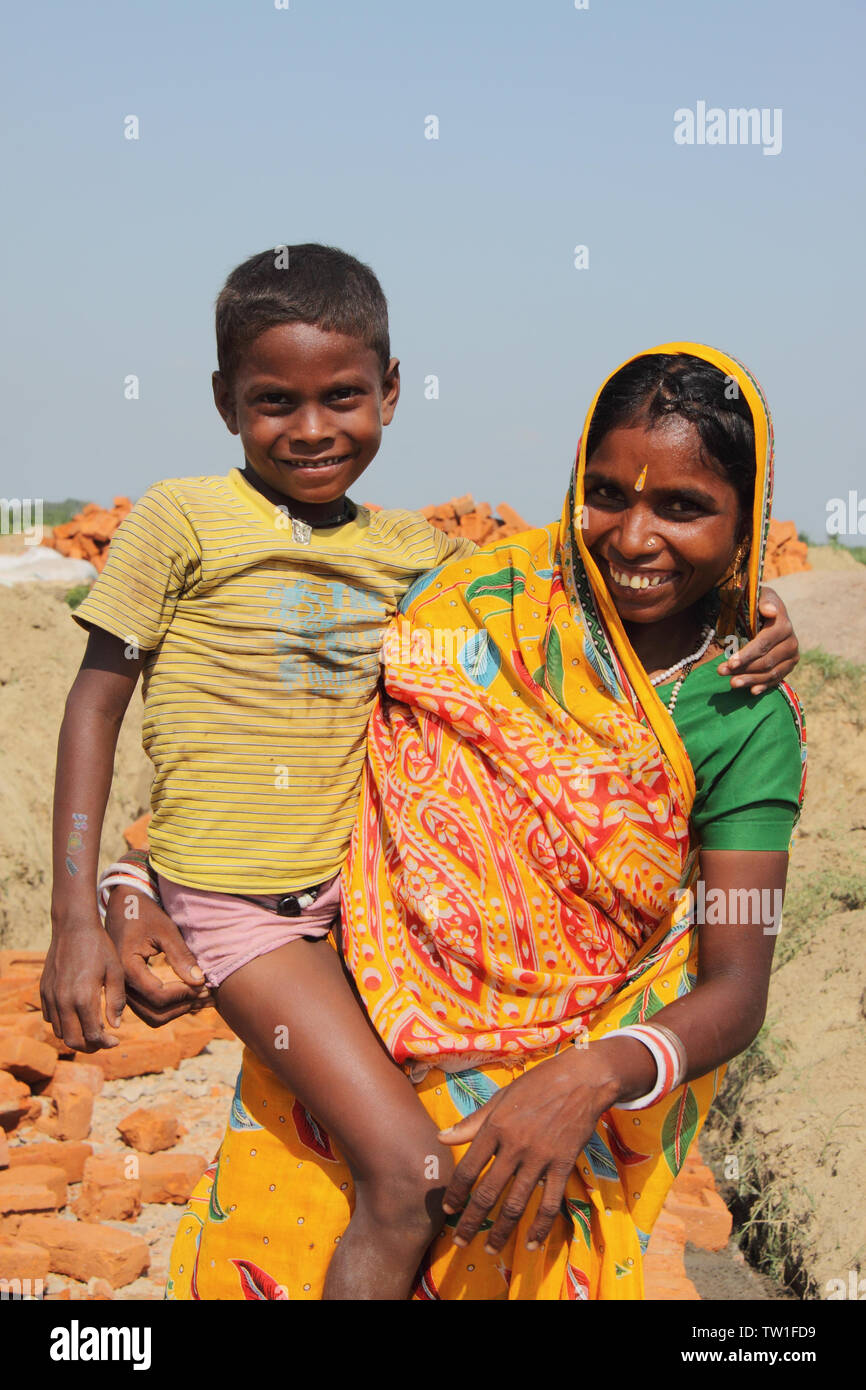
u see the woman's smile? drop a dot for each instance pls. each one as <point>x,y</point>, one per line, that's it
<point>639,580</point>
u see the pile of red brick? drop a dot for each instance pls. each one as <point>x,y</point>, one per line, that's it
<point>47,1095</point>
<point>463,516</point>
<point>785,554</point>
<point>693,1212</point>
<point>88,535</point>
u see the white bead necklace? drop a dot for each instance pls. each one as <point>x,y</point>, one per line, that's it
<point>707,634</point>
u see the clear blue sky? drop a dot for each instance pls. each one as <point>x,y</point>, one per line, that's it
<point>261,126</point>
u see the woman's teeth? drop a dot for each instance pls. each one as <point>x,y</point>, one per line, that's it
<point>638,581</point>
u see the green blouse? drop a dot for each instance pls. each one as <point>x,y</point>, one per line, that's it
<point>746,758</point>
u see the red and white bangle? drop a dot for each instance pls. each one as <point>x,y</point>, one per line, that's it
<point>125,875</point>
<point>670,1059</point>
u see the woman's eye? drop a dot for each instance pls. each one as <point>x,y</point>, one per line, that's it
<point>604,494</point>
<point>679,506</point>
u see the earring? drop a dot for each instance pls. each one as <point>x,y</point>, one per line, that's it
<point>737,565</point>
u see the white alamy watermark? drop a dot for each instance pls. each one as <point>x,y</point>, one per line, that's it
<point>847,517</point>
<point>22,516</point>
<point>21,1289</point>
<point>77,1343</point>
<point>853,1288</point>
<point>738,125</point>
<point>736,907</point>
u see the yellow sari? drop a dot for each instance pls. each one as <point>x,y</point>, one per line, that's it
<point>516,882</point>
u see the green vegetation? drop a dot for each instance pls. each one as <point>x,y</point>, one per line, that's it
<point>767,1225</point>
<point>77,595</point>
<point>831,667</point>
<point>55,513</point>
<point>826,681</point>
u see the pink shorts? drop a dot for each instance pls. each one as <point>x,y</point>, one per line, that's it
<point>225,932</point>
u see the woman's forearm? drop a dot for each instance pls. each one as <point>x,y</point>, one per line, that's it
<point>715,1022</point>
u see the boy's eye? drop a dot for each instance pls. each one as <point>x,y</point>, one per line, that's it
<point>343,393</point>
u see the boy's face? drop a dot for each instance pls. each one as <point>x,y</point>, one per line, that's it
<point>309,407</point>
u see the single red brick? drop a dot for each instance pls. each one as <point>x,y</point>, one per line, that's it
<point>72,1112</point>
<point>194,1032</point>
<point>707,1220</point>
<point>27,1024</point>
<point>27,1059</point>
<point>151,1129</point>
<point>111,1189</point>
<point>169,1177</point>
<point>36,1175</point>
<point>85,1252</point>
<point>21,1260</point>
<point>14,1098</point>
<point>138,1057</point>
<point>70,1155</point>
<point>694,1177</point>
<point>23,1195</point>
<point>79,1072</point>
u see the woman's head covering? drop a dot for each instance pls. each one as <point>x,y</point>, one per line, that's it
<point>738,607</point>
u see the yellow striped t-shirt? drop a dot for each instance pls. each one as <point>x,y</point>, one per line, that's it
<point>260,673</point>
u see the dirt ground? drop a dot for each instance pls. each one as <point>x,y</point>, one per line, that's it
<point>800,1112</point>
<point>799,1138</point>
<point>40,651</point>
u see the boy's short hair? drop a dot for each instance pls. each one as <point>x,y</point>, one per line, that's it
<point>300,284</point>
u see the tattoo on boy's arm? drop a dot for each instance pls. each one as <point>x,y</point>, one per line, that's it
<point>75,842</point>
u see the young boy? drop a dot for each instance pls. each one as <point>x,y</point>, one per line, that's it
<point>255,606</point>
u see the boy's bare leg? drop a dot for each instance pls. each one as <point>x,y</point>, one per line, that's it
<point>337,1067</point>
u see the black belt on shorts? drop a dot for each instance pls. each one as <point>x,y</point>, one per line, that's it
<point>291,904</point>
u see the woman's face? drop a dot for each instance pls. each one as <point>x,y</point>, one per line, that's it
<point>661,549</point>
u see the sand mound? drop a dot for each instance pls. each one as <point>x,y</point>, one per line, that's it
<point>41,651</point>
<point>794,1101</point>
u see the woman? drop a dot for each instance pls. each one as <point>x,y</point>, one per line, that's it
<point>533,816</point>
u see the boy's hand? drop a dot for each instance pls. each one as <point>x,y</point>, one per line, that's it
<point>145,935</point>
<point>769,657</point>
<point>80,964</point>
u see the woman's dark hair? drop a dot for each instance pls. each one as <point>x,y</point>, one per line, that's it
<point>300,284</point>
<point>659,385</point>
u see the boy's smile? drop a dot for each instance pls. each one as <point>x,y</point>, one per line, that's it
<point>309,406</point>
